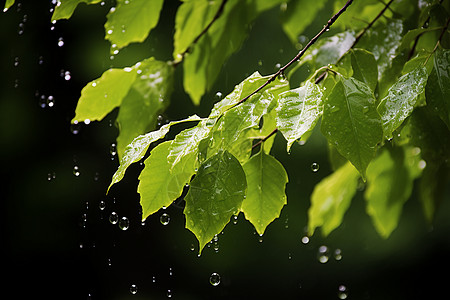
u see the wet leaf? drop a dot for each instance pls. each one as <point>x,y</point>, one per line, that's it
<point>401,100</point>
<point>438,86</point>
<point>215,194</point>
<point>298,111</point>
<point>131,21</point>
<point>395,172</point>
<point>101,96</point>
<point>138,147</point>
<point>331,198</point>
<point>8,4</point>
<point>266,181</point>
<point>158,186</point>
<point>66,8</point>
<point>148,96</point>
<point>351,123</point>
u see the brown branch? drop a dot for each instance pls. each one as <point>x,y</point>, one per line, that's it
<point>203,32</point>
<point>265,138</point>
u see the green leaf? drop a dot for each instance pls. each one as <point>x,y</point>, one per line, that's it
<point>432,186</point>
<point>390,181</point>
<point>148,96</point>
<point>65,8</point>
<point>438,87</point>
<point>137,149</point>
<point>158,186</point>
<point>266,181</point>
<point>131,21</point>
<point>298,111</point>
<point>331,198</point>
<point>202,66</point>
<point>411,35</point>
<point>364,67</point>
<point>215,194</point>
<point>101,96</point>
<point>351,123</point>
<point>298,15</point>
<point>193,16</point>
<point>8,4</point>
<point>383,41</point>
<point>401,100</point>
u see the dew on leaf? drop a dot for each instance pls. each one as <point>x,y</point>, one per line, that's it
<point>214,279</point>
<point>113,218</point>
<point>164,219</point>
<point>124,223</point>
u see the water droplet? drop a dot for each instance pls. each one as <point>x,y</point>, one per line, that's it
<point>192,248</point>
<point>113,150</point>
<point>67,75</point>
<point>76,171</point>
<point>169,293</point>
<point>282,77</point>
<point>342,292</point>
<point>314,167</point>
<point>323,254</point>
<point>214,279</point>
<point>102,205</point>
<point>133,289</point>
<point>305,240</point>
<point>113,218</point>
<point>16,62</point>
<point>153,279</point>
<point>50,101</point>
<point>219,96</point>
<point>164,219</point>
<point>75,127</point>
<point>51,176</point>
<point>337,254</point>
<point>60,42</point>
<point>124,223</point>
<point>235,219</point>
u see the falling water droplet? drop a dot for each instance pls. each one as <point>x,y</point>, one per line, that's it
<point>323,254</point>
<point>219,96</point>
<point>16,62</point>
<point>75,127</point>
<point>50,101</point>
<point>342,292</point>
<point>102,205</point>
<point>305,240</point>
<point>113,218</point>
<point>133,289</point>
<point>337,254</point>
<point>67,75</point>
<point>113,150</point>
<point>124,223</point>
<point>76,171</point>
<point>169,293</point>
<point>164,219</point>
<point>60,42</point>
<point>314,167</point>
<point>214,279</point>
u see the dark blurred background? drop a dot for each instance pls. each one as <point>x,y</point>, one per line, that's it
<point>57,235</point>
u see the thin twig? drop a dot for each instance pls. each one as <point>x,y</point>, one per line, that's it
<point>204,31</point>
<point>438,41</point>
<point>301,53</point>
<point>265,138</point>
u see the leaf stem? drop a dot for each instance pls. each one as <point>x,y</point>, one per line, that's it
<point>265,138</point>
<point>438,41</point>
<point>203,32</point>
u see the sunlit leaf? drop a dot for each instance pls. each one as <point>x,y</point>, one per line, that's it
<point>401,100</point>
<point>351,123</point>
<point>298,15</point>
<point>438,87</point>
<point>101,96</point>
<point>215,194</point>
<point>266,181</point>
<point>158,186</point>
<point>298,111</point>
<point>331,198</point>
<point>65,8</point>
<point>131,21</point>
<point>148,96</point>
<point>137,149</point>
<point>390,181</point>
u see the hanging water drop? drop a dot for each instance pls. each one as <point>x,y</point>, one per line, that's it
<point>113,218</point>
<point>214,279</point>
<point>124,223</point>
<point>75,127</point>
<point>314,167</point>
<point>164,219</point>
